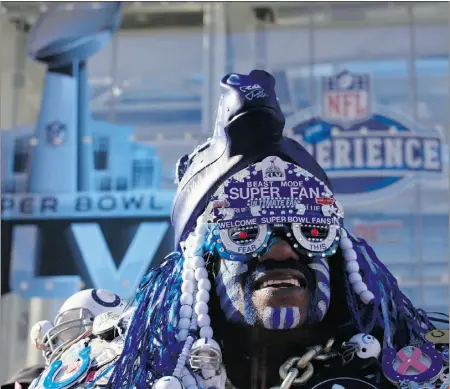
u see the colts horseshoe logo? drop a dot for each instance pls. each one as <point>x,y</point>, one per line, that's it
<point>78,369</point>
<point>414,364</point>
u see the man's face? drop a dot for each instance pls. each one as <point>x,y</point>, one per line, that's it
<point>281,289</point>
<point>273,291</point>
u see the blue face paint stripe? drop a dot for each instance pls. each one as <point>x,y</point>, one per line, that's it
<point>276,318</point>
<point>289,317</point>
<point>325,289</point>
<point>235,316</point>
<point>226,303</point>
<point>219,284</point>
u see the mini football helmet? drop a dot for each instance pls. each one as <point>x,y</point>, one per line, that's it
<point>74,321</point>
<point>205,354</point>
<point>363,346</point>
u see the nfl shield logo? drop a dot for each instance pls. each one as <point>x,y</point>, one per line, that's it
<point>346,98</point>
<point>56,133</point>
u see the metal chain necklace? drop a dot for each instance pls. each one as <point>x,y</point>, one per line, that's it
<point>297,371</point>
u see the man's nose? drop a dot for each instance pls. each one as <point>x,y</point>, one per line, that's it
<point>280,251</point>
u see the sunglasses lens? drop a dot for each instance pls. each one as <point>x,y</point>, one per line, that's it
<point>316,239</point>
<point>242,236</point>
<point>242,241</point>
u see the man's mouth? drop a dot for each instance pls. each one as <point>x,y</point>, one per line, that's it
<point>282,278</point>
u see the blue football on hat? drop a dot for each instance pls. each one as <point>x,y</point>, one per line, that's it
<point>249,113</point>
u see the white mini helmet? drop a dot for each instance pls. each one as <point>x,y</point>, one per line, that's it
<point>38,332</point>
<point>364,346</point>
<point>205,353</point>
<point>75,318</point>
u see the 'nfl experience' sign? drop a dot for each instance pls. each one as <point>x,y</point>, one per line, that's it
<point>368,151</point>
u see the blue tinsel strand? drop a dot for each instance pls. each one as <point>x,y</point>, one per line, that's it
<point>392,310</point>
<point>151,349</point>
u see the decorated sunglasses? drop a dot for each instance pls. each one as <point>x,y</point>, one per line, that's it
<point>272,198</point>
<point>249,241</point>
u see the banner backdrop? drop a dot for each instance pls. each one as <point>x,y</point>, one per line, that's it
<point>55,258</point>
<point>369,151</point>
